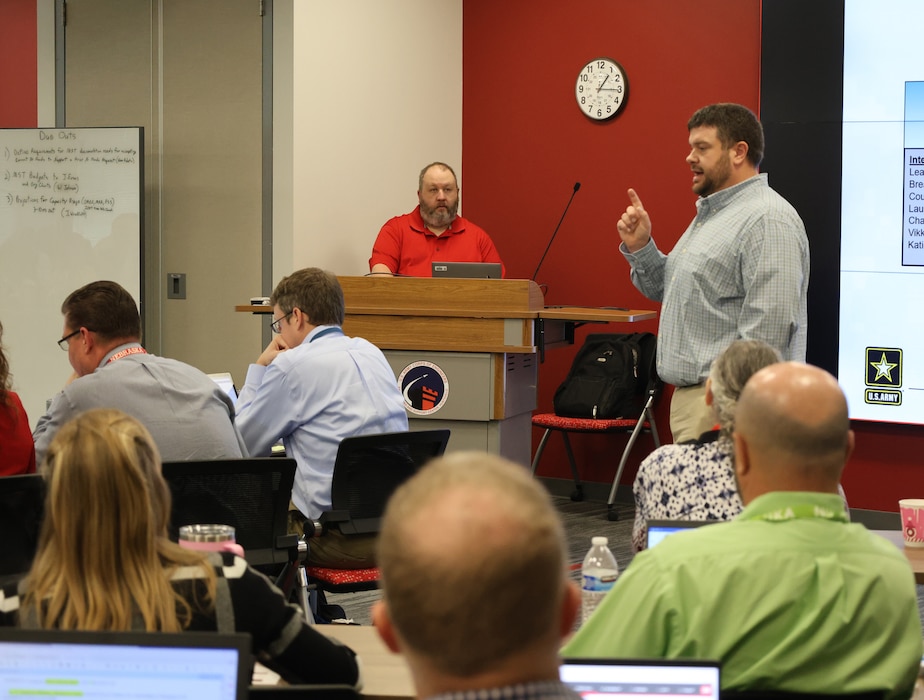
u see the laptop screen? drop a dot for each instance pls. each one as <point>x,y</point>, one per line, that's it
<point>125,665</point>
<point>600,679</point>
<point>659,529</point>
<point>469,270</point>
<point>225,382</point>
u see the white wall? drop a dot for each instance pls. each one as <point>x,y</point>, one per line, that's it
<point>376,95</point>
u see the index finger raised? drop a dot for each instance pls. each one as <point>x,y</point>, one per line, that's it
<point>636,202</point>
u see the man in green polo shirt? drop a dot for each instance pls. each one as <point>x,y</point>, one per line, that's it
<point>789,596</point>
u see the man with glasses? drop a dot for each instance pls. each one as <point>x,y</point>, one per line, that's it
<point>407,244</point>
<point>190,417</point>
<point>312,387</point>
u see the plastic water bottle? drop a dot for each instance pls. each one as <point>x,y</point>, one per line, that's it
<point>599,574</point>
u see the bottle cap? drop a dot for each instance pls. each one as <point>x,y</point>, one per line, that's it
<point>599,540</point>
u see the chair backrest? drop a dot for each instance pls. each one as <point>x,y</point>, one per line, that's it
<point>251,495</point>
<point>22,507</point>
<point>369,468</point>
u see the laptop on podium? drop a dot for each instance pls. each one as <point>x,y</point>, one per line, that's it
<point>467,270</point>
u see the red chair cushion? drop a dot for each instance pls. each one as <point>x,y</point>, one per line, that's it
<point>550,421</point>
<point>343,577</point>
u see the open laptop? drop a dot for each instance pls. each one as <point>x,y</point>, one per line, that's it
<point>468,270</point>
<point>125,665</point>
<point>636,678</point>
<point>659,529</point>
<point>225,382</point>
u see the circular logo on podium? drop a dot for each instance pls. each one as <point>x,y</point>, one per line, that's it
<point>424,386</point>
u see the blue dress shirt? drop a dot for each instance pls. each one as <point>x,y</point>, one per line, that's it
<point>313,396</point>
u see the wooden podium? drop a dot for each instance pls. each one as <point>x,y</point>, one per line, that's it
<point>465,351</point>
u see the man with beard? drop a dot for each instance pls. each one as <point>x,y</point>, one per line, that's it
<point>407,244</point>
<point>740,271</point>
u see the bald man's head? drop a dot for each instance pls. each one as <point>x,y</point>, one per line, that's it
<point>792,431</point>
<point>473,562</point>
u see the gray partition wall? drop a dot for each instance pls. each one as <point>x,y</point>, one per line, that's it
<point>190,73</point>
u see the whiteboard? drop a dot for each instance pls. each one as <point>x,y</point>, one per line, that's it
<point>70,213</point>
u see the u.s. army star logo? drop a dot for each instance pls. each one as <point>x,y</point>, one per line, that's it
<point>884,374</point>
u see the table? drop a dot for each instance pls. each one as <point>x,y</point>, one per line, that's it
<point>385,675</point>
<point>915,555</point>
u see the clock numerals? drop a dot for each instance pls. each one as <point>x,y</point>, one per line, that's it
<point>601,89</point>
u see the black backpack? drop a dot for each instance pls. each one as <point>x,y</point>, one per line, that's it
<point>609,377</point>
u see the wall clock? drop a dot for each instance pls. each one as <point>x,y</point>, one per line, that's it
<point>601,89</point>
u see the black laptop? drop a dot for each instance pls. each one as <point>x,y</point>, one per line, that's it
<point>659,529</point>
<point>468,270</point>
<point>125,665</point>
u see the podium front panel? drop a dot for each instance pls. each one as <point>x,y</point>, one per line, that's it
<point>472,386</point>
<point>509,438</point>
<point>486,400</point>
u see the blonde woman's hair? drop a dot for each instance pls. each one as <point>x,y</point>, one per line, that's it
<point>104,561</point>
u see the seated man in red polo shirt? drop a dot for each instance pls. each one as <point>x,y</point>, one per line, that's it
<point>407,244</point>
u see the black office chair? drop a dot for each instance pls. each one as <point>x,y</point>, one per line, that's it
<point>251,495</point>
<point>367,470</point>
<point>22,507</point>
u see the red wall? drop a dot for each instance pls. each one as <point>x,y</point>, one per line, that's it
<point>18,71</point>
<point>525,144</point>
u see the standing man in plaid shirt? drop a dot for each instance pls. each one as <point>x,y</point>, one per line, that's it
<point>739,271</point>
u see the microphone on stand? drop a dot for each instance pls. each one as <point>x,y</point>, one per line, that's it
<point>577,186</point>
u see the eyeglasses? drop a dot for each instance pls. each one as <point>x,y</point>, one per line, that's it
<point>63,342</point>
<point>277,324</point>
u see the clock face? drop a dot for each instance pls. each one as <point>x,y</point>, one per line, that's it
<point>601,89</point>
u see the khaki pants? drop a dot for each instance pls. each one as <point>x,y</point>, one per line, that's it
<point>333,549</point>
<point>690,416</point>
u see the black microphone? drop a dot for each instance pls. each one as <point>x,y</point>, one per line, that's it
<point>577,186</point>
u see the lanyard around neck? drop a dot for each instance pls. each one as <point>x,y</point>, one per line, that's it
<point>800,512</point>
<point>326,331</point>
<point>136,350</point>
